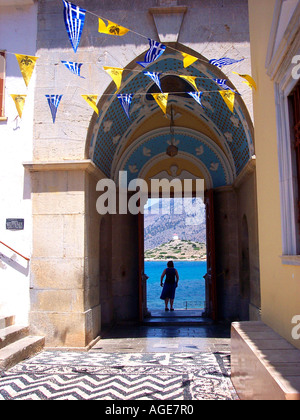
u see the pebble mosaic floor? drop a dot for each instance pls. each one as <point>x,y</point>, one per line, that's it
<point>130,372</point>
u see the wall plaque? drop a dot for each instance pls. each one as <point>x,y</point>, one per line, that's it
<point>14,224</point>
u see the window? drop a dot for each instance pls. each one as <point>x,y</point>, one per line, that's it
<point>295,106</point>
<point>2,82</point>
<point>283,46</point>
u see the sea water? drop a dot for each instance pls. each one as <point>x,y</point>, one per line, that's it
<point>190,293</point>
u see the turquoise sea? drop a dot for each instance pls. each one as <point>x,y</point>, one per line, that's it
<point>190,293</point>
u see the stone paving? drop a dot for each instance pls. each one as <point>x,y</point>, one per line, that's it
<point>131,363</point>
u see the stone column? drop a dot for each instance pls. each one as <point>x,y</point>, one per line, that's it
<point>64,286</point>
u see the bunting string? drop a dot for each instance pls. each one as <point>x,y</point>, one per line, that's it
<point>74,18</point>
<point>188,58</point>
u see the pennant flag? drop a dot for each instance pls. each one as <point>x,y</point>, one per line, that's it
<point>26,64</point>
<point>188,59</point>
<point>74,20</point>
<point>116,74</point>
<point>192,80</point>
<point>125,101</point>
<point>154,77</point>
<point>53,101</point>
<point>222,83</point>
<point>249,80</point>
<point>224,62</point>
<point>229,98</point>
<point>111,28</point>
<point>155,51</point>
<point>92,101</point>
<point>197,96</point>
<point>162,100</point>
<point>19,101</point>
<point>75,68</point>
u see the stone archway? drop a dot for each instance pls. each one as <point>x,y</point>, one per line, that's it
<point>214,144</point>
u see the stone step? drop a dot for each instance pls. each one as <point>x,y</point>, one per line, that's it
<point>11,334</point>
<point>20,350</point>
<point>187,322</point>
<point>6,321</point>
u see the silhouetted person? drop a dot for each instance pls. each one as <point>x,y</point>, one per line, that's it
<point>170,285</point>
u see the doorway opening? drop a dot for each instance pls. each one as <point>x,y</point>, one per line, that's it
<point>175,230</point>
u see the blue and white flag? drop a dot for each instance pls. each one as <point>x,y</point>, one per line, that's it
<point>74,21</point>
<point>222,83</point>
<point>197,96</point>
<point>75,68</point>
<point>224,62</point>
<point>155,51</point>
<point>53,101</point>
<point>125,101</point>
<point>154,77</point>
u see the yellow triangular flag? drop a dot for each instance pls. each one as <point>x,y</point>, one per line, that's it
<point>188,59</point>
<point>249,80</point>
<point>229,98</point>
<point>111,28</point>
<point>92,101</point>
<point>27,64</point>
<point>19,101</point>
<point>162,100</point>
<point>192,80</point>
<point>116,74</point>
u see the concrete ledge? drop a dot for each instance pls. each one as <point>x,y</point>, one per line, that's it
<point>168,10</point>
<point>264,366</point>
<point>67,165</point>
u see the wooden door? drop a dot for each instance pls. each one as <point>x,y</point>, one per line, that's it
<point>142,286</point>
<point>211,277</point>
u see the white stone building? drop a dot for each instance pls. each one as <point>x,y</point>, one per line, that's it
<point>18,34</point>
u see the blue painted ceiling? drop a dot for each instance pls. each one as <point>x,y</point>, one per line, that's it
<point>113,129</point>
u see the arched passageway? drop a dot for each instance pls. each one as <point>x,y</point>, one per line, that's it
<point>213,144</point>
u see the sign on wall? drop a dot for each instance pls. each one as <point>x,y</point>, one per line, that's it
<point>14,224</point>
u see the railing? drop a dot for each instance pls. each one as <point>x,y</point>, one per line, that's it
<point>25,258</point>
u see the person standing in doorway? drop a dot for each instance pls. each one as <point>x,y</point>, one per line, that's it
<point>170,285</point>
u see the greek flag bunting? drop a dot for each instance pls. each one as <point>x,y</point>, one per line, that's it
<point>154,77</point>
<point>155,51</point>
<point>75,68</point>
<point>53,101</point>
<point>74,20</point>
<point>197,96</point>
<point>125,101</point>
<point>222,83</point>
<point>224,62</point>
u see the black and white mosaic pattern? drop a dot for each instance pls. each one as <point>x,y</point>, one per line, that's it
<point>119,376</point>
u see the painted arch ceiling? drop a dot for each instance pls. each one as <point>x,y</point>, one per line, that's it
<point>213,143</point>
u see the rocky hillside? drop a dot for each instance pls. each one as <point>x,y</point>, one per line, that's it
<point>160,228</point>
<point>178,250</point>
